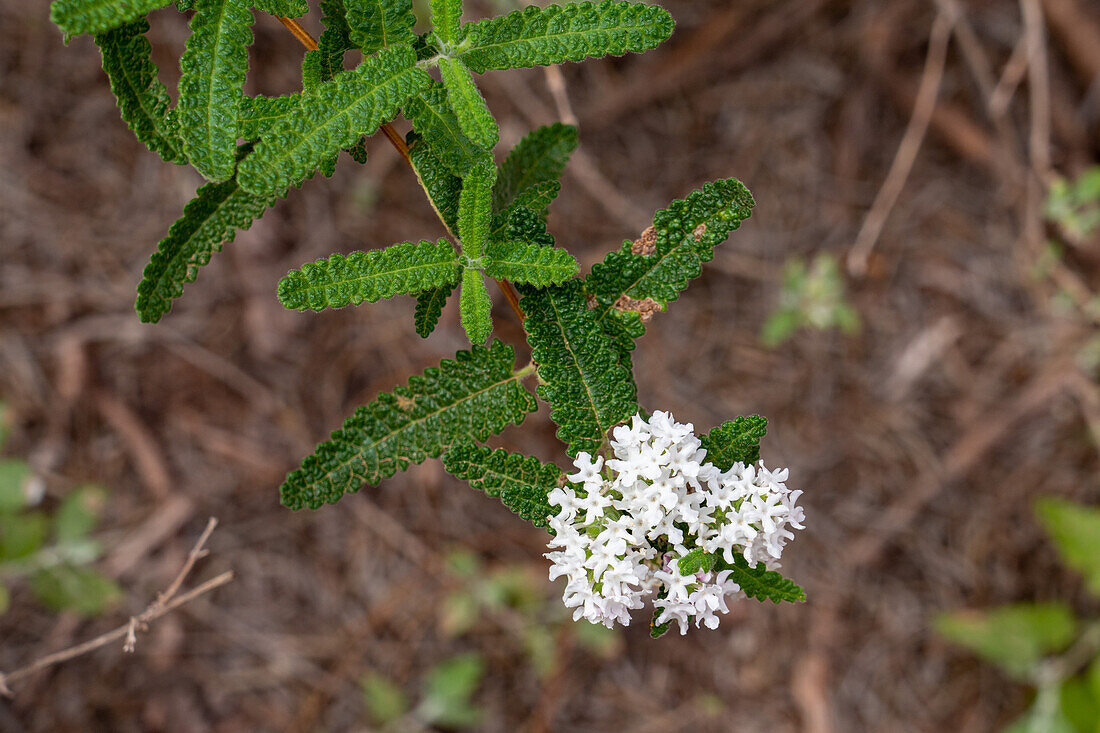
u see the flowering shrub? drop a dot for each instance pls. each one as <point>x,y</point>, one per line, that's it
<point>645,514</point>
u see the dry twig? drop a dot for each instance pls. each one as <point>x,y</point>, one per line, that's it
<point>909,147</point>
<point>164,603</point>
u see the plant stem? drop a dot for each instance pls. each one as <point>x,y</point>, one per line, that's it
<point>392,135</point>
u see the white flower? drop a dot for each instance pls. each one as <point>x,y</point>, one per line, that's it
<point>661,492</point>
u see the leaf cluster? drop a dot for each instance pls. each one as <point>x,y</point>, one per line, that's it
<point>51,552</point>
<point>1044,643</point>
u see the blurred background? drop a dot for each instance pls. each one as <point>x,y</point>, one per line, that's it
<point>913,305</point>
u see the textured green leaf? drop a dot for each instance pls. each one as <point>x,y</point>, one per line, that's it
<point>522,262</point>
<point>695,561</point>
<point>534,164</point>
<point>538,36</point>
<point>656,630</point>
<point>337,281</point>
<point>1075,530</point>
<point>429,307</point>
<point>735,441</point>
<point>521,482</point>
<point>142,99</point>
<point>358,151</point>
<point>760,583</point>
<point>475,208</point>
<point>74,588</point>
<point>446,19</point>
<point>473,114</point>
<point>377,24</point>
<point>683,237</point>
<point>96,16</point>
<point>656,267</point>
<point>209,220</point>
<point>214,65</point>
<point>470,398</point>
<point>285,8</point>
<point>589,391</point>
<point>519,223</point>
<point>334,116</point>
<point>434,120</point>
<point>475,307</point>
<point>258,114</point>
<point>442,187</point>
<point>1014,637</point>
<point>328,60</point>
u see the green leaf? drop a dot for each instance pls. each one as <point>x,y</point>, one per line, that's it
<point>74,588</point>
<point>285,8</point>
<point>328,60</point>
<point>475,307</point>
<point>13,479</point>
<point>446,19</point>
<point>521,482</point>
<point>5,599</point>
<point>735,441</point>
<point>21,535</point>
<point>213,66</point>
<point>429,307</point>
<point>96,16</point>
<point>656,630</point>
<point>519,223</point>
<point>142,99</point>
<point>448,691</point>
<point>384,700</point>
<point>473,114</point>
<point>442,188</point>
<point>667,256</point>
<point>78,514</point>
<point>1075,531</point>
<point>258,114</point>
<point>759,582</point>
<point>377,24</point>
<point>434,120</point>
<point>209,220</point>
<point>1079,706</point>
<point>533,165</point>
<point>1014,637</point>
<point>474,208</point>
<point>337,281</point>
<point>332,117</point>
<point>533,264</point>
<point>470,398</point>
<point>538,36</point>
<point>588,389</point>
<point>695,561</point>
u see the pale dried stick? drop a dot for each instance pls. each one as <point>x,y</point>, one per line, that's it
<point>164,603</point>
<point>910,145</point>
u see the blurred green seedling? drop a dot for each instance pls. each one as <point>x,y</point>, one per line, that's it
<point>446,698</point>
<point>50,553</point>
<point>1074,205</point>
<point>518,597</point>
<point>812,297</point>
<point>1045,645</point>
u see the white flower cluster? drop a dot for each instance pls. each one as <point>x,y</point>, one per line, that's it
<point>657,492</point>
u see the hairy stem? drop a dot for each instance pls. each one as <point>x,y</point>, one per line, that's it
<point>392,135</point>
